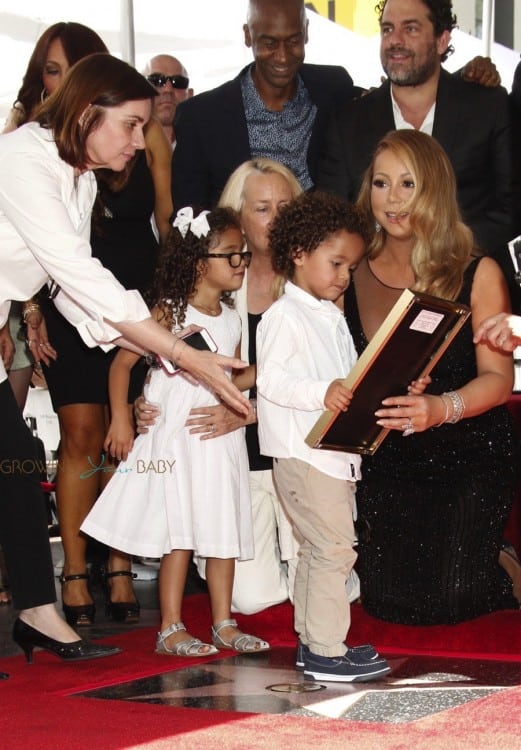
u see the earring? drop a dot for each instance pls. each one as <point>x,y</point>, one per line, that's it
<point>43,95</point>
<point>377,227</point>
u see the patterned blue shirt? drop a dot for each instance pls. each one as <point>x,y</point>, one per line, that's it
<point>284,135</point>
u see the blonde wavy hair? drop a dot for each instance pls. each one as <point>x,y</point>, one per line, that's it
<point>232,195</point>
<point>443,243</point>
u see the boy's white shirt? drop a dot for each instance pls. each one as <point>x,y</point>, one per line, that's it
<point>303,344</point>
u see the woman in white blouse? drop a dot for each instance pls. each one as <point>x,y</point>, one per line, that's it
<point>47,190</point>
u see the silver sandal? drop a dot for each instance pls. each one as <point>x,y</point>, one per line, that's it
<point>189,647</point>
<point>243,643</point>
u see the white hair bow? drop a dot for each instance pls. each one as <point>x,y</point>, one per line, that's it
<point>185,221</point>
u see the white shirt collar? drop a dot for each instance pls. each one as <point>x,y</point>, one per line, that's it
<point>401,123</point>
<point>292,290</point>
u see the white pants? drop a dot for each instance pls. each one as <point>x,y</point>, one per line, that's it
<point>267,579</point>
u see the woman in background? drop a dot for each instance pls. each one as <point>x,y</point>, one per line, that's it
<point>123,239</point>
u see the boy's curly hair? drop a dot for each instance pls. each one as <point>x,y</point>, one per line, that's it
<point>305,222</point>
<point>179,266</point>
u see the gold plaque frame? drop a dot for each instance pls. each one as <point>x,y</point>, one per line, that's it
<point>408,344</point>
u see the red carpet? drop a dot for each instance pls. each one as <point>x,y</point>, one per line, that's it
<point>37,712</point>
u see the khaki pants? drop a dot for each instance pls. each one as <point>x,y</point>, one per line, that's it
<point>321,510</point>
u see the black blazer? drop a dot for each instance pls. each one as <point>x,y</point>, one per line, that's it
<point>471,122</point>
<point>212,134</point>
<point>515,98</point>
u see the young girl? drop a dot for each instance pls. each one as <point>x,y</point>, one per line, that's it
<point>176,494</point>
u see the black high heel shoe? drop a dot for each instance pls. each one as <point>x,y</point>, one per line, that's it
<point>127,612</point>
<point>78,615</point>
<point>29,638</point>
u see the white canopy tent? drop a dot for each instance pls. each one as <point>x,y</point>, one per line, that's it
<point>205,34</point>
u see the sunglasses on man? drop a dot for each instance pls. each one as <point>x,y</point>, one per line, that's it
<point>160,79</point>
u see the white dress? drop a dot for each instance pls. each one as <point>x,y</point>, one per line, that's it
<point>176,491</point>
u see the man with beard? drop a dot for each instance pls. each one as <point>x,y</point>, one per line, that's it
<point>471,122</point>
<point>169,77</point>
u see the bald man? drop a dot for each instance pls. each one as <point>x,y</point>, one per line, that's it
<point>277,107</point>
<point>169,77</point>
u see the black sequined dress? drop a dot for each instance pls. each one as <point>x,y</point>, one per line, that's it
<point>437,501</point>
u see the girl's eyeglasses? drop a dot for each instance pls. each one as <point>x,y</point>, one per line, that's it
<point>234,259</point>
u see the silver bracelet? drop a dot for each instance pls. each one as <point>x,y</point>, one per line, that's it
<point>458,406</point>
<point>446,404</point>
<point>175,361</point>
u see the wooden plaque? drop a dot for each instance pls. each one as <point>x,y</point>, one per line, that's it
<point>408,344</point>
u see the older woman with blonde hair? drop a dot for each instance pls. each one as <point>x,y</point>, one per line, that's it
<point>256,190</point>
<point>437,493</point>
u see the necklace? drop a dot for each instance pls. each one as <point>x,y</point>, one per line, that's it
<point>387,286</point>
<point>207,310</point>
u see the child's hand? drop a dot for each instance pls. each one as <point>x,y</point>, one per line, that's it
<point>417,387</point>
<point>338,397</point>
<point>119,440</point>
<point>145,414</point>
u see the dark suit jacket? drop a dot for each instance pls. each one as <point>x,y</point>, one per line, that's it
<point>515,97</point>
<point>516,86</point>
<point>473,125</point>
<point>212,135</point>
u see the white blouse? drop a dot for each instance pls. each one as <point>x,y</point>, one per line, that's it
<point>45,215</point>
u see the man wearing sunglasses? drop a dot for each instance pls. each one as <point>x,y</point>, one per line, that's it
<point>169,77</point>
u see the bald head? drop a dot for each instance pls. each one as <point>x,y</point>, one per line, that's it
<point>269,7</point>
<point>159,62</point>
<point>170,94</point>
<point>277,32</point>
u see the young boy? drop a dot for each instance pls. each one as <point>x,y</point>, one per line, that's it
<point>304,350</point>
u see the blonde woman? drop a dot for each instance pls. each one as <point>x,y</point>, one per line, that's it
<point>437,493</point>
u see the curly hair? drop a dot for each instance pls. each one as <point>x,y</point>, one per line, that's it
<point>308,221</point>
<point>443,243</point>
<point>439,13</point>
<point>179,268</point>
